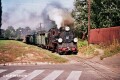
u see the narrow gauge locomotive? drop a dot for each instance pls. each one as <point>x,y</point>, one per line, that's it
<point>62,41</point>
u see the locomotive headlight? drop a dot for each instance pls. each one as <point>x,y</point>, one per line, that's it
<point>60,40</point>
<point>75,40</point>
<point>67,28</point>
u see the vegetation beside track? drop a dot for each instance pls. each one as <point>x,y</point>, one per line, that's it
<point>89,51</point>
<point>15,51</point>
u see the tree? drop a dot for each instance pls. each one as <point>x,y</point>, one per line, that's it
<point>19,32</point>
<point>27,30</point>
<point>2,33</point>
<point>0,17</point>
<point>80,14</point>
<point>104,13</point>
<point>22,32</point>
<point>10,32</point>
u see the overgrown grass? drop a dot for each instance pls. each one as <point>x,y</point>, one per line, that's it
<point>90,50</point>
<point>82,43</point>
<point>111,49</point>
<point>18,51</point>
<point>85,48</point>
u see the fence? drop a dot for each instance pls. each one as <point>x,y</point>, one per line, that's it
<point>104,35</point>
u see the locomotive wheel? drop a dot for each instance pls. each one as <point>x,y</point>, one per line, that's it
<point>48,48</point>
<point>60,53</point>
<point>74,53</point>
<point>57,50</point>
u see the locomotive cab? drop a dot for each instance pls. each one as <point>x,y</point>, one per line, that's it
<point>67,42</point>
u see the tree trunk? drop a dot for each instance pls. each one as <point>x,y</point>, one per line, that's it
<point>0,17</point>
<point>84,35</point>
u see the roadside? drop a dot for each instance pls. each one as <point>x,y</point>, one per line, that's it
<point>112,62</point>
<point>104,55</point>
<point>108,67</point>
<point>18,52</point>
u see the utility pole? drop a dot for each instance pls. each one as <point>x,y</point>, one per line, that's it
<point>89,9</point>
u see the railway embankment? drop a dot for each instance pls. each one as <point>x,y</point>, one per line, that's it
<point>101,51</point>
<point>19,52</point>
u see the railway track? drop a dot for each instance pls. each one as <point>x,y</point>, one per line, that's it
<point>103,71</point>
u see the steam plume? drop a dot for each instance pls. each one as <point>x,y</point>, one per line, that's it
<point>54,13</point>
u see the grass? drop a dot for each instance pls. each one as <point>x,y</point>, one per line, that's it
<point>15,51</point>
<point>85,48</point>
<point>82,43</point>
<point>111,49</point>
<point>90,50</point>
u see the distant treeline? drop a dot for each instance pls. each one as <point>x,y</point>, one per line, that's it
<point>11,33</point>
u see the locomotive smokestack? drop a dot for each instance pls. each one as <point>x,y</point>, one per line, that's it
<point>55,12</point>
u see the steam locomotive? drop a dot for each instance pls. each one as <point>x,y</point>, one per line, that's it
<point>62,41</point>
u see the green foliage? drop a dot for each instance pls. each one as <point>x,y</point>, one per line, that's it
<point>10,32</point>
<point>80,15</point>
<point>82,43</point>
<point>104,50</point>
<point>104,13</point>
<point>85,48</point>
<point>20,33</point>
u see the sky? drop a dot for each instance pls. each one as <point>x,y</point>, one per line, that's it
<point>22,13</point>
